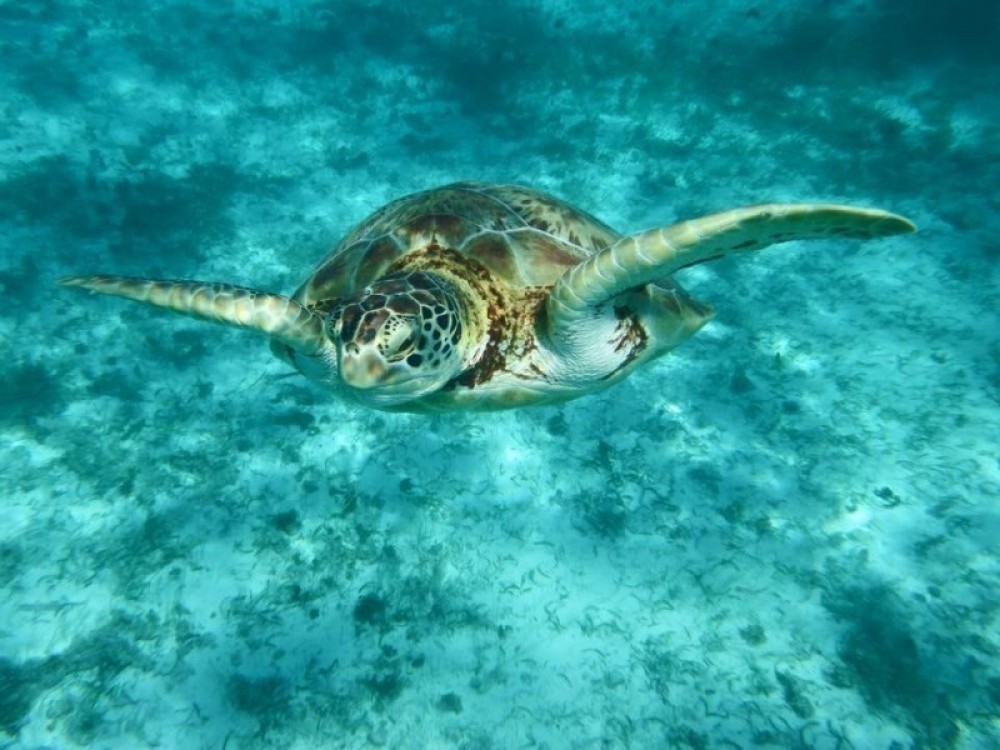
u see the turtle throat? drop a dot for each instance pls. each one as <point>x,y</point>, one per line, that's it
<point>398,339</point>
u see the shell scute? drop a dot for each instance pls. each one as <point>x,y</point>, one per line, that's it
<point>522,237</point>
<point>493,251</point>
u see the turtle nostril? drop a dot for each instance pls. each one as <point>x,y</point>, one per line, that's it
<point>351,348</point>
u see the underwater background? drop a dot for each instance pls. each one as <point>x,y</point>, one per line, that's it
<point>782,535</point>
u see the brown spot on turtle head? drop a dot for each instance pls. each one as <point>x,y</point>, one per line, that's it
<point>371,325</point>
<point>373,301</point>
<point>393,286</point>
<point>403,305</point>
<point>347,320</point>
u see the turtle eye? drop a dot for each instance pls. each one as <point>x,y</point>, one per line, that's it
<point>399,336</point>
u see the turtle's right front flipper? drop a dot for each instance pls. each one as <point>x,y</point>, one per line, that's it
<point>277,316</point>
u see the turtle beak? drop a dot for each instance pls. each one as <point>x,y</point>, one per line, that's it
<point>361,368</point>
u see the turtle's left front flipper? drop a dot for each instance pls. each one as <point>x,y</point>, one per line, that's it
<point>277,316</point>
<point>643,258</point>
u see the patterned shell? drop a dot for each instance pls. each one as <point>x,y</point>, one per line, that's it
<point>524,237</point>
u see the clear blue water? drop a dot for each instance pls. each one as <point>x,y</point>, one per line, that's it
<point>782,535</point>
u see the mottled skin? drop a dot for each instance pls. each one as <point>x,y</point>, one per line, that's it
<point>477,296</point>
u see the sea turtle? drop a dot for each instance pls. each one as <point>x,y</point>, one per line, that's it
<point>477,296</point>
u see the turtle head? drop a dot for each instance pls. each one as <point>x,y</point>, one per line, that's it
<point>398,339</point>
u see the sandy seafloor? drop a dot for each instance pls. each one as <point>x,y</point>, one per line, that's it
<point>783,535</point>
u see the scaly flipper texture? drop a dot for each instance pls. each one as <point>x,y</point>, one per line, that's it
<point>643,258</point>
<point>279,317</point>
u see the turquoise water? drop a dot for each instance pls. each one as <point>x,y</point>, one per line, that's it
<point>781,535</point>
